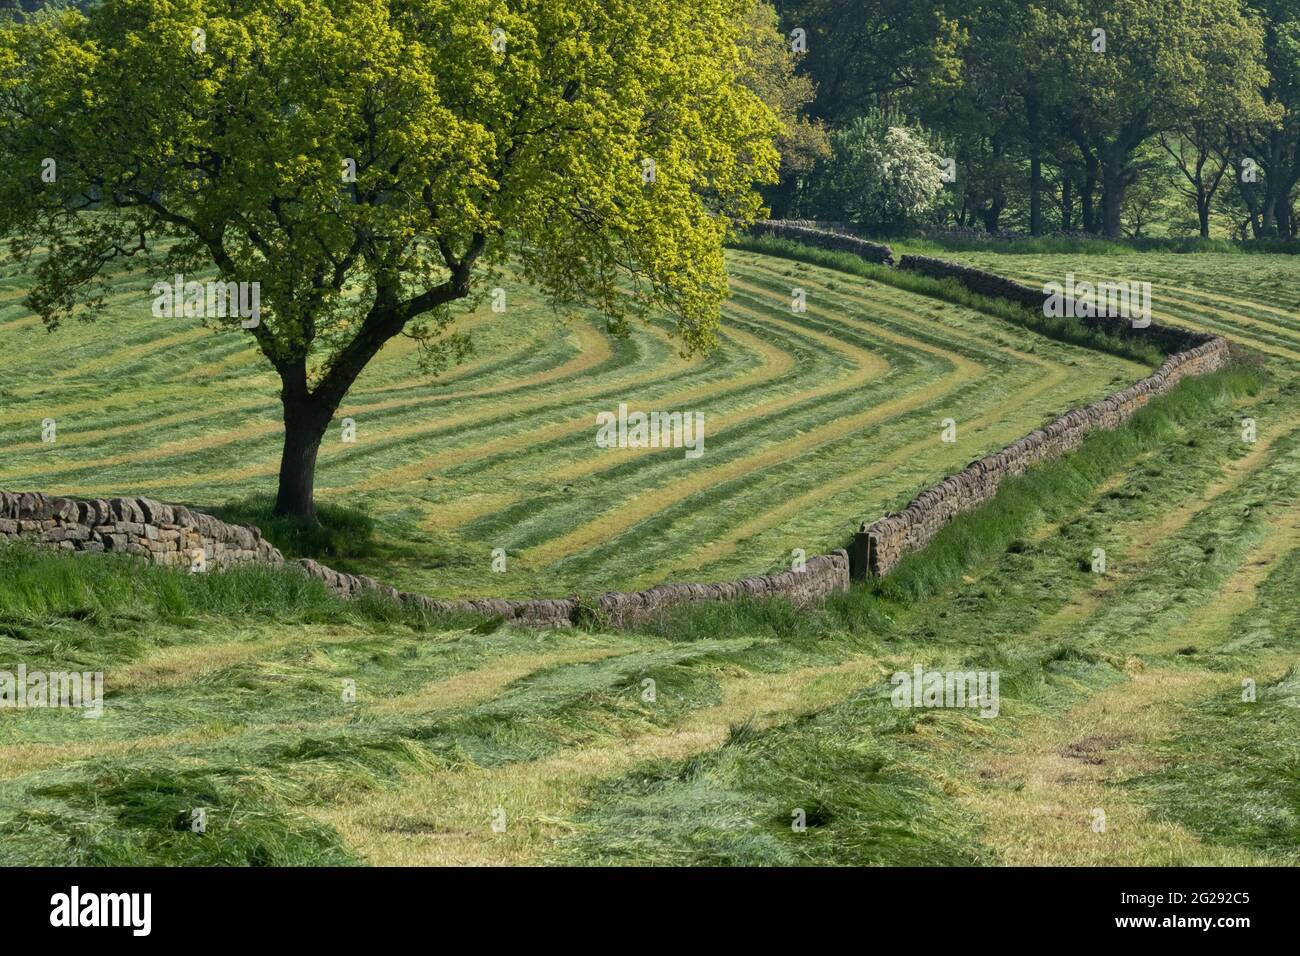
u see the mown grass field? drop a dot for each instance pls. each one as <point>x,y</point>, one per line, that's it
<point>813,422</point>
<point>1120,692</point>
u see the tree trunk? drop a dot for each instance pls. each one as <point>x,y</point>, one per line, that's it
<point>1067,202</point>
<point>1268,227</point>
<point>1115,180</point>
<point>1087,197</point>
<point>782,197</point>
<point>1286,224</point>
<point>1253,210</point>
<point>1112,204</point>
<point>304,427</point>
<point>1035,160</point>
<point>1035,195</point>
<point>1203,214</point>
<point>308,411</point>
<point>992,215</point>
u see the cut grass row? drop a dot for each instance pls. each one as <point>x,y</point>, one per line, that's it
<point>1118,713</point>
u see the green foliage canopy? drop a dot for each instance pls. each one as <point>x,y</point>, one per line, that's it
<point>237,149</point>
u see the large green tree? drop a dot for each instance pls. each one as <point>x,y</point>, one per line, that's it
<point>607,144</point>
<point>771,72</point>
<point>1165,63</point>
<point>1274,143</point>
<point>983,117</point>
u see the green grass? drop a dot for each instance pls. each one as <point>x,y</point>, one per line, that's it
<point>225,691</point>
<point>888,786</point>
<point>1045,494</point>
<point>872,789</point>
<point>39,587</point>
<point>253,727</point>
<point>126,815</point>
<point>1049,491</point>
<point>849,771</point>
<point>1231,769</point>
<point>1232,776</point>
<point>341,534</point>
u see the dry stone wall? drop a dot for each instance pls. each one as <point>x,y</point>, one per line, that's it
<point>810,234</point>
<point>165,534</point>
<point>1165,337</point>
<point>879,546</point>
<point>170,535</point>
<point>977,280</point>
<point>821,577</point>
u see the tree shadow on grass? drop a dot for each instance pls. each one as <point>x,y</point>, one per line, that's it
<point>343,533</point>
<point>347,539</point>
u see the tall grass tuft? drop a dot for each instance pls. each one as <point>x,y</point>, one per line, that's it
<point>39,587</point>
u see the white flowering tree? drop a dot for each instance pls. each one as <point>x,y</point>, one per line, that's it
<point>882,177</point>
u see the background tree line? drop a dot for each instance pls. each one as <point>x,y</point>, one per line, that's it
<point>1108,117</point>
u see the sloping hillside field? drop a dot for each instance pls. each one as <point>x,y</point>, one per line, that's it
<point>813,421</point>
<point>1146,709</point>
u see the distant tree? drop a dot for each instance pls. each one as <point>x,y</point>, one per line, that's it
<point>770,64</point>
<point>364,160</point>
<point>1274,142</point>
<point>865,53</point>
<point>1165,62</point>
<point>881,177</point>
<point>1151,203</point>
<point>1202,142</point>
<point>1200,151</point>
<point>1000,116</point>
<point>770,71</point>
